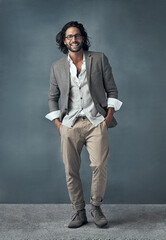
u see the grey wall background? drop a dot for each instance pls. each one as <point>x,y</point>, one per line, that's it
<point>132,34</point>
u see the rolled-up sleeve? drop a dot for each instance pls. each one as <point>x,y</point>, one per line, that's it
<point>115,103</point>
<point>52,115</point>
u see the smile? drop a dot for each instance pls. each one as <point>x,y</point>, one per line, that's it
<point>75,44</point>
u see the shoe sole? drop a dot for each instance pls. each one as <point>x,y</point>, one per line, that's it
<point>101,226</point>
<point>79,225</point>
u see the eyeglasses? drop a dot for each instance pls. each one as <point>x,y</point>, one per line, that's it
<point>69,37</point>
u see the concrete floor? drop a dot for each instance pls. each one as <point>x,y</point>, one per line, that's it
<point>49,222</point>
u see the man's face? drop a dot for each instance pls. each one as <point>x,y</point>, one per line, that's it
<point>73,40</point>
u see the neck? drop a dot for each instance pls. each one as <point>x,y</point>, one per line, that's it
<point>76,56</point>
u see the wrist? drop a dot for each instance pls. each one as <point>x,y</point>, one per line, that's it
<point>56,121</point>
<point>110,111</point>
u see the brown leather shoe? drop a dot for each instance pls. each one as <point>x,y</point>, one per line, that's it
<point>99,218</point>
<point>78,219</point>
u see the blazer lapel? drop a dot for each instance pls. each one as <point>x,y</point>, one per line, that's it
<point>88,60</point>
<point>67,73</point>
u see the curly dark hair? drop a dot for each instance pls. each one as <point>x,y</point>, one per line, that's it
<point>60,37</point>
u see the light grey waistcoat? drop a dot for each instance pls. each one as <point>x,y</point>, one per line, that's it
<point>80,100</point>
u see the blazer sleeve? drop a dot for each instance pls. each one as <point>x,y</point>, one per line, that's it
<point>108,79</point>
<point>54,92</point>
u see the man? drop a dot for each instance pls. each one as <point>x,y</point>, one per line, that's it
<point>82,79</point>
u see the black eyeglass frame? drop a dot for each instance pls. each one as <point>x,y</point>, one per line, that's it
<point>69,37</point>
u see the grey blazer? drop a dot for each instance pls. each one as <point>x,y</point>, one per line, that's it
<point>100,80</point>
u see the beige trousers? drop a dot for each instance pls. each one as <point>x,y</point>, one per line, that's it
<point>96,141</point>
